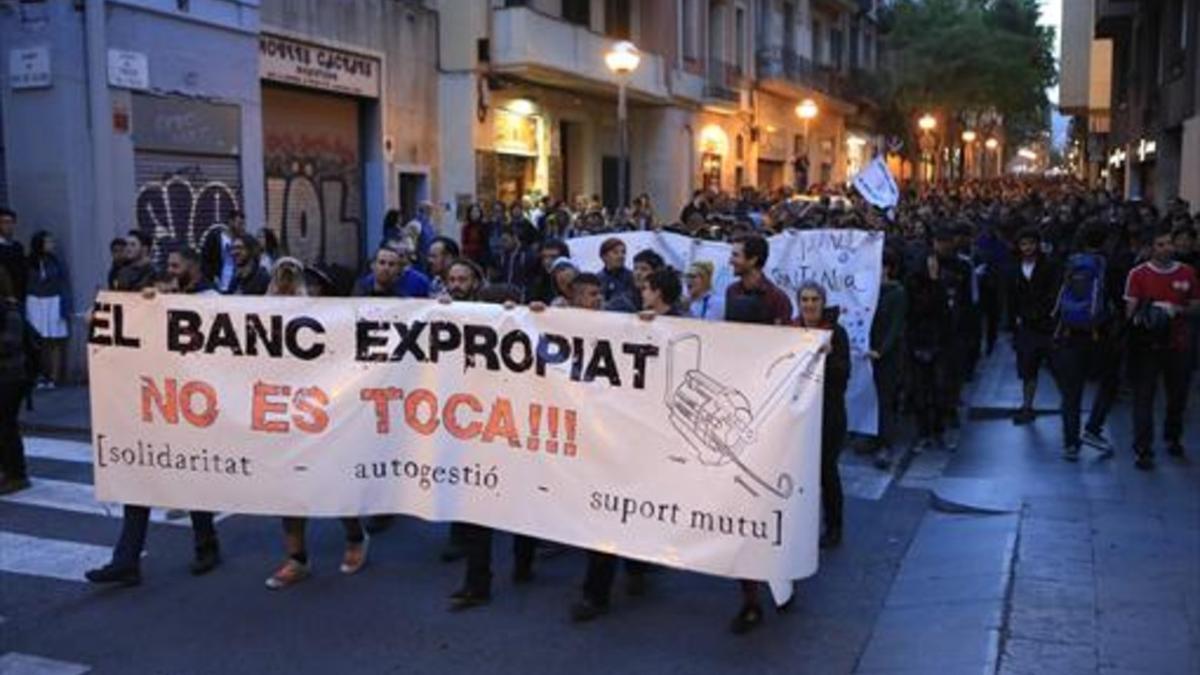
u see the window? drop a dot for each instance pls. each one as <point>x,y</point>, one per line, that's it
<point>818,42</point>
<point>789,27</point>
<point>854,55</point>
<point>739,40</point>
<point>688,29</point>
<point>836,47</point>
<point>578,12</point>
<point>617,19</point>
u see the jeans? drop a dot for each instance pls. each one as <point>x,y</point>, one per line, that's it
<point>477,542</point>
<point>833,436</point>
<point>128,553</point>
<point>887,383</point>
<point>1077,358</point>
<point>602,571</point>
<point>12,448</point>
<point>929,395</point>
<point>1147,366</point>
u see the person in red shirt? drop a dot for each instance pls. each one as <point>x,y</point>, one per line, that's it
<point>748,257</point>
<point>1159,293</point>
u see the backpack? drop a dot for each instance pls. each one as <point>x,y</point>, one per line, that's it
<point>1081,302</point>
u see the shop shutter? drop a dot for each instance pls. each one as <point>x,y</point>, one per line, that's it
<point>181,196</point>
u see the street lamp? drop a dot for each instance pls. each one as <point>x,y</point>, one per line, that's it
<point>968,137</point>
<point>991,144</point>
<point>927,123</point>
<point>806,111</point>
<point>622,60</point>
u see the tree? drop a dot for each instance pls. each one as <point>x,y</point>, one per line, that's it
<point>974,61</point>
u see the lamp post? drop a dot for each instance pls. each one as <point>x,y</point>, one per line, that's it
<point>807,111</point>
<point>968,138</point>
<point>622,60</point>
<point>927,123</point>
<point>990,144</point>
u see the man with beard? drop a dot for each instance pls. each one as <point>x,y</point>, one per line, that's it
<point>748,258</point>
<point>249,277</point>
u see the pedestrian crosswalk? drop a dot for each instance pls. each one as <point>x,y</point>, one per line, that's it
<point>16,663</point>
<point>70,491</point>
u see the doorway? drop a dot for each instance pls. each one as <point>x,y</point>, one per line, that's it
<point>414,189</point>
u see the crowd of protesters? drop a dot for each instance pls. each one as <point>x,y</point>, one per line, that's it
<point>1089,285</point>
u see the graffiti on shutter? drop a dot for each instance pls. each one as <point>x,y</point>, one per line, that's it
<point>313,175</point>
<point>181,197</point>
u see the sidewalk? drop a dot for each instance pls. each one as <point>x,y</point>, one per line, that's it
<point>63,411</point>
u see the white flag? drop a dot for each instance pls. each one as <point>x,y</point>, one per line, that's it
<point>876,185</point>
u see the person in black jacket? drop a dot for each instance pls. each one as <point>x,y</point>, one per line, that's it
<point>813,315</point>
<point>1033,292</point>
<point>249,277</point>
<point>12,253</point>
<point>929,331</point>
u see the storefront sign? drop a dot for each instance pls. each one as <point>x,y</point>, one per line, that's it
<point>176,124</point>
<point>667,440</point>
<point>130,70</point>
<point>29,68</point>
<point>515,134</point>
<point>309,65</point>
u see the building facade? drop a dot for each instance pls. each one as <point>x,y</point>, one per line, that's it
<point>313,118</point>
<point>1142,102</point>
<point>529,108</point>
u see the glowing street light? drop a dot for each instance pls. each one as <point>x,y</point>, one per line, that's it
<point>807,110</point>
<point>968,136</point>
<point>622,60</point>
<point>927,122</point>
<point>991,144</point>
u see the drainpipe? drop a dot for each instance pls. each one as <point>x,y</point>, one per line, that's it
<point>100,124</point>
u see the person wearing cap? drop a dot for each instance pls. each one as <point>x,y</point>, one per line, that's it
<point>1033,292</point>
<point>563,272</point>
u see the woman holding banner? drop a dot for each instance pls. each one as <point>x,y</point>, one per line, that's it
<point>287,278</point>
<point>813,315</point>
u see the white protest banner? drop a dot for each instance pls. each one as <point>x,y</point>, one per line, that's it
<point>848,263</point>
<point>666,440</point>
<point>876,185</point>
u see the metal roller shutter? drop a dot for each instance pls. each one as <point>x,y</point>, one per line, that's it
<point>181,196</point>
<point>3,166</point>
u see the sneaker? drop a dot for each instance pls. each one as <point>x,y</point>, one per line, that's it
<point>355,556</point>
<point>586,610</point>
<point>207,559</point>
<point>1096,440</point>
<point>291,572</point>
<point>111,574</point>
<point>1071,453</point>
<point>1175,449</point>
<point>11,485</point>
<point>466,599</point>
<point>1144,461</point>
<point>747,619</point>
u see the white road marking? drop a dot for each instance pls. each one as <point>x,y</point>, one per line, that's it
<point>15,663</point>
<point>56,448</point>
<point>53,558</point>
<point>80,498</point>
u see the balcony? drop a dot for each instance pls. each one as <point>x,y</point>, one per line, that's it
<point>799,71</point>
<point>548,50</point>
<point>1114,17</point>
<point>723,84</point>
